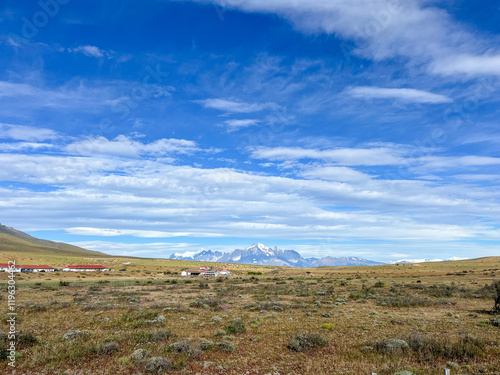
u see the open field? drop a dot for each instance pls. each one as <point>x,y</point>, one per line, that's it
<point>348,318</point>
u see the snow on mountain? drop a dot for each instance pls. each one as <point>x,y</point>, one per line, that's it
<point>342,261</point>
<point>187,254</point>
<point>425,260</point>
<point>457,258</point>
<point>202,255</point>
<point>263,255</point>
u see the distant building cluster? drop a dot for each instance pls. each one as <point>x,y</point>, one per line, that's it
<point>32,268</point>
<point>205,271</point>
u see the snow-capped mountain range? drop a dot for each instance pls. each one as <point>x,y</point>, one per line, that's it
<point>426,260</point>
<point>263,255</point>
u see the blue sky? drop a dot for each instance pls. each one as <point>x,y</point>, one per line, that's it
<point>363,128</point>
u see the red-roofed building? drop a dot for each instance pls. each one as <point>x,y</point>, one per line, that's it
<point>29,268</point>
<point>85,268</point>
<point>6,267</point>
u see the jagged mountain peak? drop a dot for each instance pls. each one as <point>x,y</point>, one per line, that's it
<point>259,253</point>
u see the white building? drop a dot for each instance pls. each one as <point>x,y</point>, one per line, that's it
<point>84,268</point>
<point>26,268</point>
<point>6,268</point>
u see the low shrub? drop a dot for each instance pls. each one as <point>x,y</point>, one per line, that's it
<point>72,335</point>
<point>216,319</point>
<point>430,349</point>
<point>307,341</point>
<point>236,326</point>
<point>26,339</point>
<point>109,348</point>
<point>328,326</point>
<point>226,346</point>
<point>410,301</point>
<point>154,335</point>
<point>187,347</point>
<point>391,346</point>
<point>139,356</point>
<point>205,302</point>
<point>157,365</point>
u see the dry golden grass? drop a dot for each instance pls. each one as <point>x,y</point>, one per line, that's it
<point>275,307</point>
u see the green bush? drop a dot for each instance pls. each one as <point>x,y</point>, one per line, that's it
<point>328,326</point>
<point>226,346</point>
<point>236,326</point>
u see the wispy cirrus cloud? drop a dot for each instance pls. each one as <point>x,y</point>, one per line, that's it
<point>444,162</point>
<point>235,125</point>
<point>90,51</point>
<point>342,156</point>
<point>232,106</point>
<point>402,94</point>
<point>110,232</point>
<point>381,29</point>
<point>335,174</point>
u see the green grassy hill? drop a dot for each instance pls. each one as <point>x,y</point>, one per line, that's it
<point>16,243</point>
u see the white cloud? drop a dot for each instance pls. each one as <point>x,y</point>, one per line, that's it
<point>24,146</point>
<point>26,133</point>
<point>107,232</point>
<point>124,146</point>
<point>156,249</point>
<point>478,177</point>
<point>468,64</point>
<point>68,96</point>
<point>403,94</point>
<point>234,125</point>
<point>91,51</point>
<point>343,156</point>
<point>383,29</point>
<point>100,195</point>
<point>336,174</point>
<point>12,89</point>
<point>444,162</point>
<point>234,106</point>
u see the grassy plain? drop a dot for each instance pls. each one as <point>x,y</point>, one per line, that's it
<point>246,324</point>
